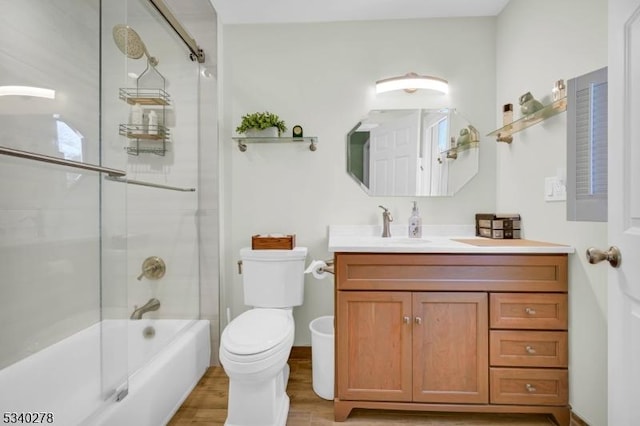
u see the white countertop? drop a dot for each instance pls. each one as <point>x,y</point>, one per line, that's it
<point>435,239</point>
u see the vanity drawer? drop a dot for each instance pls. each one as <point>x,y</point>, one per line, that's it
<point>531,386</point>
<point>528,348</point>
<point>451,272</point>
<point>531,311</point>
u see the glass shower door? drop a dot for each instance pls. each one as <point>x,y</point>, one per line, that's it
<point>53,217</point>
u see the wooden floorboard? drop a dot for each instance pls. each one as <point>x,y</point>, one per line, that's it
<point>207,405</point>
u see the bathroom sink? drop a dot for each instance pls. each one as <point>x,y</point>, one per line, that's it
<point>403,240</point>
<point>436,239</point>
<point>344,239</point>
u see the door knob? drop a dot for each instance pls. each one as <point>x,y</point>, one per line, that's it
<point>613,256</point>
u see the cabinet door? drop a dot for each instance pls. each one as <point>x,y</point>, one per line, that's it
<point>450,347</point>
<point>373,352</point>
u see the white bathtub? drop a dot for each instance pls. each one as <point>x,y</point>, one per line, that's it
<point>72,378</point>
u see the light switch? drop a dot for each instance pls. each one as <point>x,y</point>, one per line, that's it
<point>554,189</point>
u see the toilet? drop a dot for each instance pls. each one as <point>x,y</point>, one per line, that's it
<point>255,346</point>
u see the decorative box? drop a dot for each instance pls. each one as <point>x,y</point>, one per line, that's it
<point>498,225</point>
<point>273,242</point>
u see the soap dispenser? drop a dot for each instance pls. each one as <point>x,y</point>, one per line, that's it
<point>415,222</point>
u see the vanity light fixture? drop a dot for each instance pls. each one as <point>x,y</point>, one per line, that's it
<point>37,92</point>
<point>412,82</point>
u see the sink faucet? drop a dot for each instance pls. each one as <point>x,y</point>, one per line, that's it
<point>386,219</point>
<point>151,305</point>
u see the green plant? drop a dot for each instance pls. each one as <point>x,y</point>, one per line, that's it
<point>261,120</point>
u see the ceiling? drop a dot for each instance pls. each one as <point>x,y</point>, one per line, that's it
<point>290,11</point>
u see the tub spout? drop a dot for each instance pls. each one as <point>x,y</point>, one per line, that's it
<point>151,305</point>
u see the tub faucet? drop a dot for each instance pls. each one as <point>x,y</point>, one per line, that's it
<point>151,305</point>
<point>386,220</point>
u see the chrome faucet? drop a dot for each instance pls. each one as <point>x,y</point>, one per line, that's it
<point>151,305</point>
<point>386,220</point>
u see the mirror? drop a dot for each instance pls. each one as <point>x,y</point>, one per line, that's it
<point>413,152</point>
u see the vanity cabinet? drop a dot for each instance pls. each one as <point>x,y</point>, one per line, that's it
<point>421,346</point>
<point>451,332</point>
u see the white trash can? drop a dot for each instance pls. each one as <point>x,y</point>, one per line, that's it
<point>322,356</point>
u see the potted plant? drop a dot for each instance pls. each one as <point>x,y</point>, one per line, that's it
<point>263,124</point>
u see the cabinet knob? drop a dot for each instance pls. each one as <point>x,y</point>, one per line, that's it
<point>530,311</point>
<point>406,320</point>
<point>530,349</point>
<point>418,320</point>
<point>530,387</point>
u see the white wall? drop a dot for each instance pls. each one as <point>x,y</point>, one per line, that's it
<point>538,43</point>
<point>322,77</point>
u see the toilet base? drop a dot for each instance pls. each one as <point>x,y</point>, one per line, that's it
<point>263,403</point>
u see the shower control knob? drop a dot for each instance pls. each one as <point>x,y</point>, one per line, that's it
<point>153,268</point>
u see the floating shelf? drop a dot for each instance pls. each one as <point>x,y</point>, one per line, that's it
<point>452,153</point>
<point>504,134</point>
<point>243,141</point>
<point>145,97</point>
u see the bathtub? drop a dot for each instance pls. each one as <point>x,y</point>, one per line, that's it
<point>72,378</point>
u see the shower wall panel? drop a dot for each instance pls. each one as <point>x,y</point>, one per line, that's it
<point>49,215</point>
<point>161,222</point>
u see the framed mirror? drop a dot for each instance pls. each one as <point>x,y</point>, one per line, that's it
<point>413,152</point>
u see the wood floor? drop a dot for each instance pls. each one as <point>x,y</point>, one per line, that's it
<point>207,405</point>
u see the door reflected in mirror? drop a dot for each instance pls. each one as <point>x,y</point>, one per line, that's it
<point>413,152</point>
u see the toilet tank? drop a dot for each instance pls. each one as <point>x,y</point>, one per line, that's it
<point>273,278</point>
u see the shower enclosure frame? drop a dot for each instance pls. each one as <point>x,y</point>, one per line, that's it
<point>114,236</point>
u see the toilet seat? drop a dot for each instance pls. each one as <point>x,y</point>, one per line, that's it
<point>256,334</point>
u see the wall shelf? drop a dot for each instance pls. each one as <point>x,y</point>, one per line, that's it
<point>243,141</point>
<point>504,134</point>
<point>452,153</point>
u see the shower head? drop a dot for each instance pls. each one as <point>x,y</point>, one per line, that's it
<point>130,43</point>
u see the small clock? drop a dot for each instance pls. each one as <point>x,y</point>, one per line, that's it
<point>297,131</point>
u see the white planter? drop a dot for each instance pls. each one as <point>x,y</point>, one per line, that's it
<point>269,132</point>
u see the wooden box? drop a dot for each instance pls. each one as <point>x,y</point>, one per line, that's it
<point>269,242</point>
<point>498,226</point>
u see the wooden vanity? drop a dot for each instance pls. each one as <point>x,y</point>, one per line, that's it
<point>452,332</point>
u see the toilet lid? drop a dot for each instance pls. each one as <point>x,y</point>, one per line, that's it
<point>257,330</point>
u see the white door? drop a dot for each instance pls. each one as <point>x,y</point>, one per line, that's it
<point>394,156</point>
<point>624,212</point>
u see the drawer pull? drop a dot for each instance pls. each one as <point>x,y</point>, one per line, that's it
<point>418,320</point>
<point>530,388</point>
<point>406,320</point>
<point>530,349</point>
<point>530,311</point>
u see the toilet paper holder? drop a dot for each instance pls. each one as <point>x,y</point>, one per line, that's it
<point>329,268</point>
